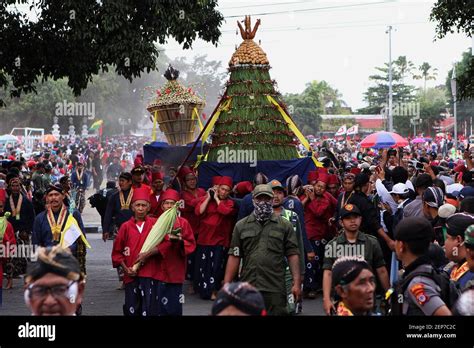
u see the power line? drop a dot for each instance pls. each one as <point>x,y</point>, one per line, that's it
<point>267,4</point>
<point>313,9</point>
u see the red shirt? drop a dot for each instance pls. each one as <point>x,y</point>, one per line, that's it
<point>173,254</point>
<point>190,201</point>
<point>127,246</point>
<point>216,223</point>
<point>8,240</point>
<point>155,205</point>
<point>316,216</point>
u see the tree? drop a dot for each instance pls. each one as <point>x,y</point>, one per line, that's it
<point>404,66</point>
<point>432,103</point>
<point>78,39</point>
<point>426,73</point>
<point>377,94</point>
<point>317,98</point>
<point>456,16</point>
<point>465,106</point>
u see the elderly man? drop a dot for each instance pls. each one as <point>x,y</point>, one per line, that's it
<point>54,284</point>
<point>354,282</point>
<point>266,243</point>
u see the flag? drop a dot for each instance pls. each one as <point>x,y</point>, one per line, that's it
<point>341,131</point>
<point>71,233</point>
<point>96,125</point>
<point>353,130</point>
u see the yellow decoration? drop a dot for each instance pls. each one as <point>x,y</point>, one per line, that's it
<point>294,129</point>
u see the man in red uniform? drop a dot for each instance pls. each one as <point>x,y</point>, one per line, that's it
<point>172,254</point>
<point>217,218</point>
<point>157,184</point>
<point>334,186</point>
<point>7,239</point>
<point>319,209</point>
<point>190,195</point>
<point>140,286</point>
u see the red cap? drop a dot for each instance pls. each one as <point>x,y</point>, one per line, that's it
<point>141,194</point>
<point>185,171</point>
<point>460,168</point>
<point>312,175</point>
<point>225,180</point>
<point>170,194</point>
<point>355,171</point>
<point>157,162</point>
<point>323,177</point>
<point>30,164</point>
<point>3,195</point>
<point>215,180</point>
<point>244,187</point>
<point>138,162</point>
<point>156,176</point>
<point>333,179</point>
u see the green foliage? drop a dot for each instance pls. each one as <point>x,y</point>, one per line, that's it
<point>433,102</point>
<point>456,16</point>
<point>318,98</point>
<point>78,39</point>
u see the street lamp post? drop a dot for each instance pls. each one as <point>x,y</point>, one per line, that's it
<point>390,91</point>
<point>453,92</point>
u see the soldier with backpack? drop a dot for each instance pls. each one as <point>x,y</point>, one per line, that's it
<point>422,290</point>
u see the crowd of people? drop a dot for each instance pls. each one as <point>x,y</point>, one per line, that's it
<point>362,231</point>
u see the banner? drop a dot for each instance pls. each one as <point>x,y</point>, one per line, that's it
<point>353,130</point>
<point>341,131</point>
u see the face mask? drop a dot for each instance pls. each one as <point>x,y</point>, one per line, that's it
<point>263,210</point>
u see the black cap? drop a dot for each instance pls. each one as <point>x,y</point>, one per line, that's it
<point>55,260</point>
<point>413,228</point>
<point>347,268</point>
<point>54,188</point>
<point>434,197</point>
<point>138,170</point>
<point>126,176</point>
<point>241,295</point>
<point>458,223</point>
<point>349,209</point>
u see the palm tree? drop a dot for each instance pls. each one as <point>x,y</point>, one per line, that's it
<point>427,72</point>
<point>404,66</point>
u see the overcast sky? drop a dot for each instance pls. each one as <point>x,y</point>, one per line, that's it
<point>340,44</point>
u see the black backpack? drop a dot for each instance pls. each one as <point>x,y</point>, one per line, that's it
<point>449,290</point>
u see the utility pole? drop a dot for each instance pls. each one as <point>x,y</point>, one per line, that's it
<point>454,93</point>
<point>390,91</point>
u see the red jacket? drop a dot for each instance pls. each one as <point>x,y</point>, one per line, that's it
<point>173,254</point>
<point>190,202</point>
<point>127,246</point>
<point>155,205</point>
<point>316,216</point>
<point>8,240</point>
<point>216,223</point>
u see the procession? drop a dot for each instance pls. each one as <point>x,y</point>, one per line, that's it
<point>247,203</point>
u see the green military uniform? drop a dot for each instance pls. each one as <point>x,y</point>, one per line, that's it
<point>263,249</point>
<point>366,245</point>
<point>292,217</point>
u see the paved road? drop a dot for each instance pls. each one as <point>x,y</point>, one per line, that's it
<point>102,296</point>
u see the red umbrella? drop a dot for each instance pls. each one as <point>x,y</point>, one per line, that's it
<point>381,140</point>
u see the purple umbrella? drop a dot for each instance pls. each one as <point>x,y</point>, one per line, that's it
<point>418,141</point>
